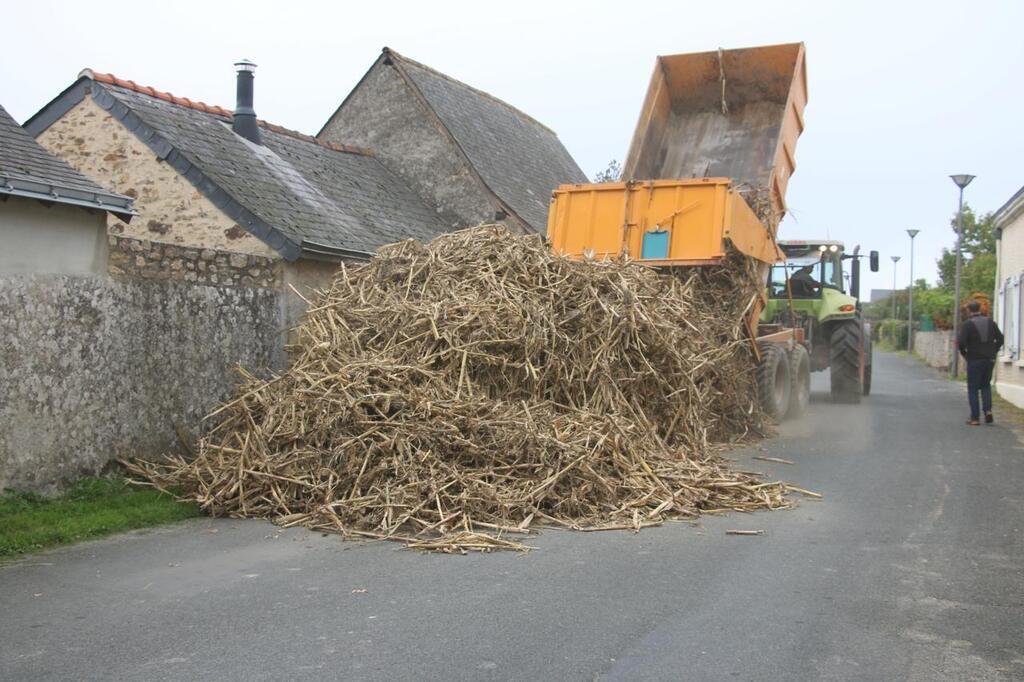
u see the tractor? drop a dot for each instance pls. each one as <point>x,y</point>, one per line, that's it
<point>811,290</point>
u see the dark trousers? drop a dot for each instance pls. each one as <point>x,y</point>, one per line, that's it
<point>979,379</point>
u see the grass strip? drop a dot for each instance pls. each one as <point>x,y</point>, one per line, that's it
<point>92,508</point>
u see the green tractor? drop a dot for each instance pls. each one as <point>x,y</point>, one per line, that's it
<point>811,292</point>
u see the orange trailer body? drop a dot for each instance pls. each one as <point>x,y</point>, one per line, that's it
<point>659,222</point>
<point>728,113</point>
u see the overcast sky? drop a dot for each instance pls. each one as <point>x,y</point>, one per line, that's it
<point>901,93</point>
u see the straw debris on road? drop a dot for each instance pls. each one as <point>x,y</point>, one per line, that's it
<point>458,394</point>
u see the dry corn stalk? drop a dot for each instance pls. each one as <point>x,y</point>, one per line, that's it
<point>457,394</point>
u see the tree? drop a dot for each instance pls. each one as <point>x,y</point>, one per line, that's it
<point>610,174</point>
<point>978,272</point>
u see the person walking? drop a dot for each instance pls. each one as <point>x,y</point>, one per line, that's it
<point>979,340</point>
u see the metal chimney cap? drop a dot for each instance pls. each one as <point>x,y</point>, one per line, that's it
<point>245,65</point>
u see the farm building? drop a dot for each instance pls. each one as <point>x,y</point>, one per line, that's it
<point>472,156</point>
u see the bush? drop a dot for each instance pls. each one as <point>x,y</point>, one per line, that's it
<point>891,334</point>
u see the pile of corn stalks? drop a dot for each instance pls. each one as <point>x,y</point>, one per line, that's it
<point>456,395</point>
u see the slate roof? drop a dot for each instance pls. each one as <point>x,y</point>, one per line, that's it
<point>29,170</point>
<point>519,159</point>
<point>300,196</point>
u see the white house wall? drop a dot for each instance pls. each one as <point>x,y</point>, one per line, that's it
<point>1010,370</point>
<point>55,239</point>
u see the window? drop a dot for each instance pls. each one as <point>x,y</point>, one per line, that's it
<point>807,274</point>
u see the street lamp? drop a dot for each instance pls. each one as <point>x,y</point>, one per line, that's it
<point>910,315</point>
<point>961,181</point>
<point>895,260</point>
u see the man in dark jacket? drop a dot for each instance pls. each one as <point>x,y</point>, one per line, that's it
<point>978,340</point>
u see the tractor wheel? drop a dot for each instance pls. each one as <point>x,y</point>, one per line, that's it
<point>844,362</point>
<point>868,362</point>
<point>800,373</point>
<point>773,380</point>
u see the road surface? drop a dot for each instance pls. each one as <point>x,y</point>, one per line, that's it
<point>912,567</point>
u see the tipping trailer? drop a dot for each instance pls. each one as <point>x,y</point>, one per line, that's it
<point>707,170</point>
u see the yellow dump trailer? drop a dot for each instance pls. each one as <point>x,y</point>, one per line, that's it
<point>728,113</point>
<point>716,135</point>
<point>658,222</point>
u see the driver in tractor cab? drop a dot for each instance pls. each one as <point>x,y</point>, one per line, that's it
<point>802,284</point>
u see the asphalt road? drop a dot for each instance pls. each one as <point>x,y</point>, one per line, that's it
<point>912,567</point>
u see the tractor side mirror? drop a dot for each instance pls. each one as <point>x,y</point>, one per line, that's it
<point>873,258</point>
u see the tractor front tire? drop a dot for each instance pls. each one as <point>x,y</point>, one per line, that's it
<point>800,391</point>
<point>844,362</point>
<point>773,381</point>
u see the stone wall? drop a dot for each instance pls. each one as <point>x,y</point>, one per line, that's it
<point>157,260</point>
<point>383,114</point>
<point>934,347</point>
<point>93,369</point>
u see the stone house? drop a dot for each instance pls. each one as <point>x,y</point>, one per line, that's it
<point>52,218</point>
<point>1007,308</point>
<point>222,198</point>
<point>470,155</point>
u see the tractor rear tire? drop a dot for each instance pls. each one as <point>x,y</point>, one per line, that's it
<point>800,391</point>
<point>868,362</point>
<point>844,362</point>
<point>773,381</point>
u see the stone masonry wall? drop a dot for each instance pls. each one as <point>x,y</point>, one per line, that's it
<point>383,114</point>
<point>170,209</point>
<point>157,260</point>
<point>934,347</point>
<point>93,369</point>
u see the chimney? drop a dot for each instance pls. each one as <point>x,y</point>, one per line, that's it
<point>244,122</point>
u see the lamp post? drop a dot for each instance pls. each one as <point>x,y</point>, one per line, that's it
<point>895,260</point>
<point>910,291</point>
<point>961,181</point>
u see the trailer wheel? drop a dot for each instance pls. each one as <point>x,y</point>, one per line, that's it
<point>844,362</point>
<point>800,372</point>
<point>773,380</point>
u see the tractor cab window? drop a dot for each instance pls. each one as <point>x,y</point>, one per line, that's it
<point>806,274</point>
<point>830,274</point>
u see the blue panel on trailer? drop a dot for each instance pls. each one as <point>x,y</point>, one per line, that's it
<point>655,245</point>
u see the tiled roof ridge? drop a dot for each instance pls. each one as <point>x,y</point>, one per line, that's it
<point>111,79</point>
<point>497,100</point>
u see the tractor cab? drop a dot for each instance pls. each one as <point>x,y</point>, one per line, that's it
<point>814,278</point>
<point>808,270</point>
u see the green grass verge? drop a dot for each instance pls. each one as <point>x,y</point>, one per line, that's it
<point>93,507</point>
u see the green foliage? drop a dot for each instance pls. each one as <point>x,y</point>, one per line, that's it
<point>610,174</point>
<point>891,334</point>
<point>978,271</point>
<point>882,310</point>
<point>933,302</point>
<point>91,508</point>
